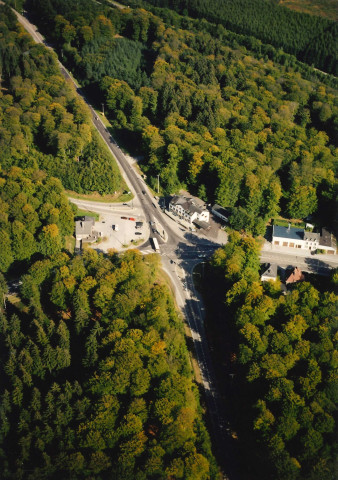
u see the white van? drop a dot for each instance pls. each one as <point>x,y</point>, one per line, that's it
<point>115,227</point>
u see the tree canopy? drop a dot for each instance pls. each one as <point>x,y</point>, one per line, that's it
<point>43,122</point>
<point>210,114</point>
<point>284,394</point>
<point>96,377</point>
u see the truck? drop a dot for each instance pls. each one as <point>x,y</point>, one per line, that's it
<point>155,244</point>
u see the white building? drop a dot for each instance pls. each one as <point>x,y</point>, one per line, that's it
<point>299,238</point>
<point>186,209</point>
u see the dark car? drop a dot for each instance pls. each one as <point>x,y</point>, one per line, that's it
<point>138,233</point>
<point>124,218</point>
<point>144,192</point>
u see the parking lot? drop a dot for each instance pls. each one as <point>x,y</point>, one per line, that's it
<point>119,231</point>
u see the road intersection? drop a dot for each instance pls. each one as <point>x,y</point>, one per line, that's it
<point>186,250</point>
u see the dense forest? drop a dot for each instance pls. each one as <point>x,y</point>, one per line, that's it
<point>96,379</point>
<point>43,122</point>
<point>35,217</point>
<point>311,39</point>
<point>249,134</point>
<point>281,353</point>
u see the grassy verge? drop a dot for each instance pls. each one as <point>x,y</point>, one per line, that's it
<point>282,222</point>
<point>96,197</point>
<point>87,213</point>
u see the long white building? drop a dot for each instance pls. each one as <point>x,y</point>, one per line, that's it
<point>298,238</point>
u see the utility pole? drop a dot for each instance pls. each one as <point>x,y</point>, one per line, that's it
<point>158,184</point>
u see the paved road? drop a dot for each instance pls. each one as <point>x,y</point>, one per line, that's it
<point>320,264</point>
<point>187,252</point>
<point>174,245</point>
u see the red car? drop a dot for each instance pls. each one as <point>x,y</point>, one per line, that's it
<point>131,218</point>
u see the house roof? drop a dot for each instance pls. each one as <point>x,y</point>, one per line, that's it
<point>187,204</point>
<point>311,237</point>
<point>84,227</point>
<point>326,239</point>
<point>201,224</point>
<point>291,233</point>
<point>271,271</point>
<point>220,210</point>
<point>86,218</point>
<point>296,276</point>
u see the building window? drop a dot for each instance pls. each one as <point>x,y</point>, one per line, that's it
<point>285,244</point>
<point>292,245</point>
<point>276,243</point>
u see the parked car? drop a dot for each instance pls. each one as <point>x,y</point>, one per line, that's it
<point>131,218</point>
<point>124,218</point>
<point>138,233</point>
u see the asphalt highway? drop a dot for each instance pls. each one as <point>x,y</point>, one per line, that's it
<point>186,252</point>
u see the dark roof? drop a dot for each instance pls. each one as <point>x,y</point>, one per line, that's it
<point>291,233</point>
<point>222,211</point>
<point>201,224</point>
<point>326,238</point>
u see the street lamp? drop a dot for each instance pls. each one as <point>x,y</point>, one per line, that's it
<point>158,184</point>
<point>102,108</point>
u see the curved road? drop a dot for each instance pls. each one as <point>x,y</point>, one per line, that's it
<point>176,250</point>
<point>186,295</point>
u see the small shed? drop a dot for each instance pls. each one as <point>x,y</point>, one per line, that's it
<point>220,212</point>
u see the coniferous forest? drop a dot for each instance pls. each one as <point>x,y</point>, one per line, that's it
<point>311,39</point>
<point>233,127</point>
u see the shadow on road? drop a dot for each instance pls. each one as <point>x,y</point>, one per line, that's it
<point>316,265</point>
